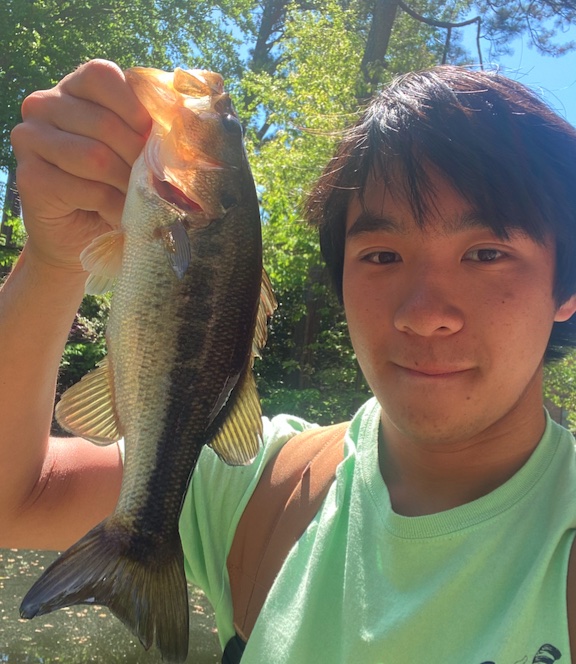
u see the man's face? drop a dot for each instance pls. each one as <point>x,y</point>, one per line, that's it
<point>449,323</point>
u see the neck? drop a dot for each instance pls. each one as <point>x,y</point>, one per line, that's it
<point>425,477</point>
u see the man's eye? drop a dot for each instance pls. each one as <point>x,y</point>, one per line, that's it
<point>381,257</point>
<point>484,255</point>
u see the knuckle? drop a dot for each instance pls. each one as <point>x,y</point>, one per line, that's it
<point>18,136</point>
<point>22,138</point>
<point>99,70</point>
<point>34,103</point>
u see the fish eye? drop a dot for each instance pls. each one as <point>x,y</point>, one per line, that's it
<point>231,124</point>
<point>228,200</point>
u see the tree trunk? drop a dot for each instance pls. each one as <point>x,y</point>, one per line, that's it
<point>307,329</point>
<point>273,15</point>
<point>11,207</point>
<point>373,61</point>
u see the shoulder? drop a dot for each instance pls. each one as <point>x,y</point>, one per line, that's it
<point>218,492</point>
<point>214,503</point>
<point>211,470</point>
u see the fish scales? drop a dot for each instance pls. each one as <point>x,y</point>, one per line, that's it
<point>188,315</point>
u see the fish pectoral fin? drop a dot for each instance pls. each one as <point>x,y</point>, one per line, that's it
<point>177,247</point>
<point>87,408</point>
<point>237,441</point>
<point>102,258</point>
<point>266,308</point>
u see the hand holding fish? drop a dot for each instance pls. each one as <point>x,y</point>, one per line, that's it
<point>75,148</point>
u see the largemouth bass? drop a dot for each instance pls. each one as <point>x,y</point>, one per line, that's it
<point>188,314</point>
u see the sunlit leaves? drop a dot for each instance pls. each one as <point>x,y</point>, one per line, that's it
<point>560,385</point>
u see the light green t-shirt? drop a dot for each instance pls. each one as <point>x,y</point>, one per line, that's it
<point>482,583</point>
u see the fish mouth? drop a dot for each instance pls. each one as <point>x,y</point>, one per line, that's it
<point>171,194</point>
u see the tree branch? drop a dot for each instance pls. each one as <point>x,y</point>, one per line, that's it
<point>448,25</point>
<point>433,22</point>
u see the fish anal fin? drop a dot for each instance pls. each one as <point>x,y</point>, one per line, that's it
<point>87,408</point>
<point>149,595</point>
<point>238,440</point>
<point>102,258</point>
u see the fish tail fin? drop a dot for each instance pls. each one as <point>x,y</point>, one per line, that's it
<point>149,596</point>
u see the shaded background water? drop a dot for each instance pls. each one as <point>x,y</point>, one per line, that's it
<point>81,634</point>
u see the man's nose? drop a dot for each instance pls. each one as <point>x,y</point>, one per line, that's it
<point>428,306</point>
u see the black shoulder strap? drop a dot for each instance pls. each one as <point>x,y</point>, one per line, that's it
<point>288,495</point>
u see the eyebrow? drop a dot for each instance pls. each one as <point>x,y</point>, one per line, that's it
<point>368,222</point>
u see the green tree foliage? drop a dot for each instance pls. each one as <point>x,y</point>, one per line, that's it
<point>299,71</point>
<point>560,386</point>
<point>11,242</point>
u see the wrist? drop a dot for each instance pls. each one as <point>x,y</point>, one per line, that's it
<point>68,276</point>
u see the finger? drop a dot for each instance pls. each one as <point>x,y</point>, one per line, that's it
<point>76,155</point>
<point>83,118</point>
<point>49,193</point>
<point>104,83</point>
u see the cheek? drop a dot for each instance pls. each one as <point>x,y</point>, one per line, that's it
<point>363,300</point>
<point>362,314</point>
<point>520,325</point>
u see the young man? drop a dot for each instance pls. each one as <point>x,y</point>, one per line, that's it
<point>448,219</point>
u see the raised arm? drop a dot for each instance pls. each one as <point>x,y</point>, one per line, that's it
<point>74,148</point>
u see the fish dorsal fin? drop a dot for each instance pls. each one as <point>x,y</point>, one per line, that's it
<point>266,308</point>
<point>87,408</point>
<point>102,258</point>
<point>238,440</point>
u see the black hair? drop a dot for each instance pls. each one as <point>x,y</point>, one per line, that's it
<point>498,144</point>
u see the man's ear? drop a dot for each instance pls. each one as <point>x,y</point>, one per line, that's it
<point>566,310</point>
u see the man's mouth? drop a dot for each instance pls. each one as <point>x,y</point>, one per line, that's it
<point>435,371</point>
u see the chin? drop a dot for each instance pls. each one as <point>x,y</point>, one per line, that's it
<point>434,429</point>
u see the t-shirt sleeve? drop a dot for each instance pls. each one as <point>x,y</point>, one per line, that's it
<point>214,503</point>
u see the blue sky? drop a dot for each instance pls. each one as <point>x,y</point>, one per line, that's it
<point>553,78</point>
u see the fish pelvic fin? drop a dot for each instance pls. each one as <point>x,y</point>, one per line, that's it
<point>149,595</point>
<point>87,408</point>
<point>237,441</point>
<point>102,258</point>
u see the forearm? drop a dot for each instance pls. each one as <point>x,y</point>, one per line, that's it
<point>75,148</point>
<point>37,306</point>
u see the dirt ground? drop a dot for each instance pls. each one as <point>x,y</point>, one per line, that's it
<point>82,634</point>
